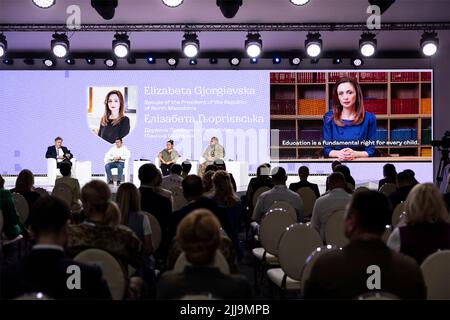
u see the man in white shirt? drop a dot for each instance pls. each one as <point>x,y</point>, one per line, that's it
<point>334,201</point>
<point>115,158</point>
<point>279,192</point>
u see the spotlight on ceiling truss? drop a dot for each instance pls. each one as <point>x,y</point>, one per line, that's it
<point>44,4</point>
<point>60,45</point>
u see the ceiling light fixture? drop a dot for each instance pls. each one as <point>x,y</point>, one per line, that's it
<point>110,62</point>
<point>190,45</point>
<point>3,45</point>
<point>49,62</point>
<point>253,45</point>
<point>105,8</point>
<point>299,2</point>
<point>429,43</point>
<point>313,44</point>
<point>235,61</point>
<point>295,61</point>
<point>121,45</point>
<point>172,61</point>
<point>60,45</point>
<point>172,3</point>
<point>44,4</point>
<point>367,44</point>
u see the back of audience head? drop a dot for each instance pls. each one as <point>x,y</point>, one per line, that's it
<point>404,179</point>
<point>49,218</point>
<point>192,187</point>
<point>334,164</point>
<point>279,175</point>
<point>207,181</point>
<point>389,171</point>
<point>65,169</point>
<point>128,199</point>
<point>220,164</point>
<point>412,176</point>
<point>224,193</point>
<point>199,237</point>
<point>263,170</point>
<point>211,167</point>
<point>187,166</point>
<point>148,174</point>
<point>425,204</point>
<point>336,180</point>
<point>344,170</point>
<point>368,214</point>
<point>24,181</point>
<point>96,198</point>
<point>303,172</point>
<point>176,169</point>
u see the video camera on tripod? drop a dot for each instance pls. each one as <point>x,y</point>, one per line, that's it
<point>443,145</point>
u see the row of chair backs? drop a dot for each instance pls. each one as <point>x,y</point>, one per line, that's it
<point>156,230</point>
<point>273,225</point>
<point>285,206</point>
<point>399,214</point>
<point>21,205</point>
<point>388,188</point>
<point>63,192</point>
<point>334,229</point>
<point>309,199</point>
<point>258,193</point>
<point>296,244</point>
<point>111,269</point>
<point>435,270</point>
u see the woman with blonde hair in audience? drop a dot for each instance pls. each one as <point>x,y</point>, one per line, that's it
<point>101,228</point>
<point>199,237</point>
<point>427,228</point>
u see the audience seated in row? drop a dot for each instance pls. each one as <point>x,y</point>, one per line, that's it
<point>345,274</point>
<point>303,173</point>
<point>65,168</point>
<point>198,234</point>
<point>351,184</point>
<point>25,187</point>
<point>389,174</point>
<point>335,200</point>
<point>404,186</point>
<point>427,226</point>
<point>173,181</point>
<point>279,192</point>
<point>262,179</point>
<point>45,269</point>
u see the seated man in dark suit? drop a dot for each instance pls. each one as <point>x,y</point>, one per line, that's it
<point>199,237</point>
<point>303,173</point>
<point>366,263</point>
<point>46,268</point>
<point>404,186</point>
<point>155,203</point>
<point>58,152</point>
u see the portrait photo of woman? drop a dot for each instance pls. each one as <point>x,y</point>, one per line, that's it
<point>349,132</point>
<point>114,123</point>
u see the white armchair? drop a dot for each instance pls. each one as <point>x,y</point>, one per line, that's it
<point>126,170</point>
<point>53,171</point>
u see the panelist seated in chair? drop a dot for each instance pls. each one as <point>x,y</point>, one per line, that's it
<point>168,157</point>
<point>58,152</point>
<point>116,158</point>
<point>213,152</point>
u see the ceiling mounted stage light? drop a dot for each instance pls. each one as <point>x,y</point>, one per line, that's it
<point>229,8</point>
<point>213,60</point>
<point>253,45</point>
<point>70,61</point>
<point>193,62</point>
<point>8,61</point>
<point>295,61</point>
<point>105,8</point>
<point>313,44</point>
<point>299,2</point>
<point>172,62</point>
<point>254,60</point>
<point>429,43</point>
<point>337,61</point>
<point>110,63</point>
<point>367,44</point>
<point>90,60</point>
<point>357,62</point>
<point>276,60</point>
<point>44,4</point>
<point>172,3</point>
<point>151,60</point>
<point>3,45</point>
<point>190,45</point>
<point>49,63</point>
<point>235,61</point>
<point>60,45</point>
<point>121,45</point>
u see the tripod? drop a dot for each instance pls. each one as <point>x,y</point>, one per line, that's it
<point>442,164</point>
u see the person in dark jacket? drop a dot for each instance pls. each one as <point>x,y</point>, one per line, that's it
<point>303,173</point>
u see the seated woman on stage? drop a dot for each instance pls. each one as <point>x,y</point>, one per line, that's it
<point>349,132</point>
<point>114,123</point>
<point>168,157</point>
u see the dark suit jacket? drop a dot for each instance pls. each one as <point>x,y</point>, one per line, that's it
<point>342,274</point>
<point>45,270</point>
<point>399,195</point>
<point>51,153</point>
<point>202,280</point>
<point>305,184</point>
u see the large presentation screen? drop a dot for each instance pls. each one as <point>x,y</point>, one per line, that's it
<point>258,116</point>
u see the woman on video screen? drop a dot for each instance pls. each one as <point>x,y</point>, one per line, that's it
<point>114,123</point>
<point>349,131</point>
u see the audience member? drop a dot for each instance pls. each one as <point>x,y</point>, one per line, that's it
<point>303,173</point>
<point>199,237</point>
<point>279,192</point>
<point>102,230</point>
<point>73,184</point>
<point>262,179</point>
<point>208,186</point>
<point>174,179</point>
<point>344,274</point>
<point>404,186</point>
<point>187,166</point>
<point>334,201</point>
<point>389,174</point>
<point>334,164</point>
<point>220,164</point>
<point>427,229</point>
<point>45,269</point>
<point>25,187</point>
<point>412,176</point>
<point>348,177</point>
